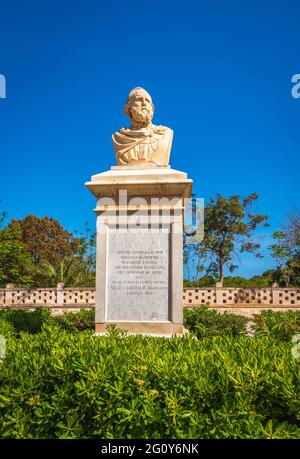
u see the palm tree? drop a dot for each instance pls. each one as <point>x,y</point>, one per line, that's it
<point>71,271</point>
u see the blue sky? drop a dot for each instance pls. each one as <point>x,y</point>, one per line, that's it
<point>219,73</point>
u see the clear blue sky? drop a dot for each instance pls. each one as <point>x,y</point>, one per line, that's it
<point>219,73</point>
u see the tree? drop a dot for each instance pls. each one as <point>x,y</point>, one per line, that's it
<point>3,216</point>
<point>87,249</point>
<point>263,280</point>
<point>71,272</point>
<point>229,225</point>
<point>293,235</point>
<point>46,239</point>
<point>286,250</point>
<point>76,270</point>
<point>16,264</point>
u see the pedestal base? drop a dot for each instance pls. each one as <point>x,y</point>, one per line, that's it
<point>139,272</point>
<point>159,329</point>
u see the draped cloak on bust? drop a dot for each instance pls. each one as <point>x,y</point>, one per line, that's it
<point>143,145</point>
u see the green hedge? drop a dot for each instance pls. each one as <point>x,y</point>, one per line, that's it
<point>277,324</point>
<point>57,384</point>
<point>205,323</point>
<point>32,321</point>
<point>77,321</point>
<point>24,320</point>
<point>202,321</point>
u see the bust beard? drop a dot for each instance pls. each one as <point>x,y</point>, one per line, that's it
<point>143,115</point>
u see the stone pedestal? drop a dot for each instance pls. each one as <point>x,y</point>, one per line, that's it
<point>139,269</point>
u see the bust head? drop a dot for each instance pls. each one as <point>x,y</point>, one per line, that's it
<point>139,107</point>
<point>142,143</point>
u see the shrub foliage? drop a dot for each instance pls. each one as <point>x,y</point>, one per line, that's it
<point>278,324</point>
<point>24,320</point>
<point>77,321</point>
<point>204,322</point>
<point>56,384</point>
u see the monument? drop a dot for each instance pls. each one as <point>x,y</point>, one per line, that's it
<point>140,211</point>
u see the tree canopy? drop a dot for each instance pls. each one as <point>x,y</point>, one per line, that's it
<point>286,250</point>
<point>46,239</point>
<point>229,225</point>
<point>16,264</point>
<point>40,252</point>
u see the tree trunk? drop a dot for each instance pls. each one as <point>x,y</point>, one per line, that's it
<point>221,271</point>
<point>286,278</point>
<point>287,281</point>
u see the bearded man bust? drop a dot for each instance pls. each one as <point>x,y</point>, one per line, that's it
<point>143,143</point>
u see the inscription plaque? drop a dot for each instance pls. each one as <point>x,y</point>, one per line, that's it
<point>138,276</point>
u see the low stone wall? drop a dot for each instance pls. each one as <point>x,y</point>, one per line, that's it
<point>50,297</point>
<point>247,311</point>
<point>259,297</point>
<point>240,301</point>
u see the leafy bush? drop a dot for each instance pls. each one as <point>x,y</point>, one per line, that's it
<point>24,320</point>
<point>278,324</point>
<point>204,323</point>
<point>7,333</point>
<point>72,321</point>
<point>56,384</point>
<point>6,329</point>
<point>32,321</point>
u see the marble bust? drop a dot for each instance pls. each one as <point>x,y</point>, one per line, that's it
<point>143,143</point>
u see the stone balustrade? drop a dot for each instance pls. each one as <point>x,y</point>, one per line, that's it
<point>59,299</point>
<point>79,298</point>
<point>258,297</point>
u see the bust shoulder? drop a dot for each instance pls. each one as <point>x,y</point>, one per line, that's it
<point>163,130</point>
